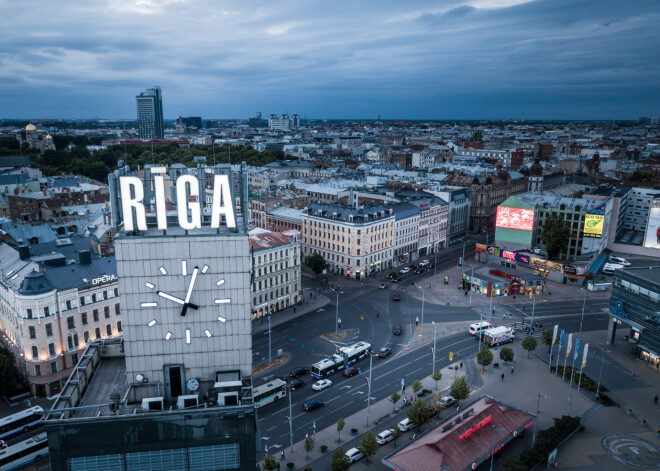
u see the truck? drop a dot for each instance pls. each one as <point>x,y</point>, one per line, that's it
<point>498,335</point>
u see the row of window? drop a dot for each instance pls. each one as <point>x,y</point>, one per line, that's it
<point>73,341</point>
<point>632,287</point>
<point>95,297</point>
<point>275,294</point>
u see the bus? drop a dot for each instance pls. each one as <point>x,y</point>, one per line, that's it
<point>334,363</point>
<point>21,421</point>
<point>23,453</point>
<point>270,392</point>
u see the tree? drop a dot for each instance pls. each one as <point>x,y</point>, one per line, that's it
<point>547,338</point>
<point>340,461</point>
<point>420,413</point>
<point>641,175</point>
<point>309,445</point>
<point>270,464</point>
<point>368,446</point>
<point>417,386</point>
<point>394,398</point>
<point>485,356</point>
<point>396,433</point>
<point>529,343</point>
<point>459,389</point>
<point>555,235</point>
<point>436,376</point>
<point>506,354</point>
<point>317,263</point>
<point>340,427</point>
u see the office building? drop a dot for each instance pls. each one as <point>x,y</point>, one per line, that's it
<point>150,114</point>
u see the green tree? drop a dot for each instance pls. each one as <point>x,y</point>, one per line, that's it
<point>547,338</point>
<point>316,262</point>
<point>396,433</point>
<point>485,356</point>
<point>309,445</point>
<point>340,461</point>
<point>436,376</point>
<point>641,175</point>
<point>340,427</point>
<point>394,398</point>
<point>555,235</point>
<point>506,354</point>
<point>270,464</point>
<point>459,389</point>
<point>417,386</point>
<point>529,343</point>
<point>368,446</point>
<point>420,413</point>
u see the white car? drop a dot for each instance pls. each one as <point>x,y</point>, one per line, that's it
<point>354,454</point>
<point>385,436</point>
<point>619,261</point>
<point>403,271</point>
<point>405,425</point>
<point>423,263</point>
<point>321,385</point>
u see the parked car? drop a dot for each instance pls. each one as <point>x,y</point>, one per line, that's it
<point>384,352</point>
<point>446,401</point>
<point>385,436</point>
<point>434,411</point>
<point>405,270</point>
<point>413,267</point>
<point>321,384</point>
<point>396,330</point>
<point>301,370</point>
<point>619,261</point>
<point>382,285</point>
<point>419,271</point>
<point>296,383</point>
<point>354,455</point>
<point>313,404</point>
<point>352,371</point>
<point>396,280</point>
<point>391,276</point>
<point>424,263</point>
<point>405,425</point>
<point>396,298</point>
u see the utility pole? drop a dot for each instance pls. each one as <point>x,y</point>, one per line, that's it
<point>471,282</point>
<point>371,360</point>
<point>337,314</point>
<point>290,421</point>
<point>538,411</point>
<point>435,334</point>
<point>269,347</point>
<point>463,257</point>
<point>492,456</point>
<point>422,304</point>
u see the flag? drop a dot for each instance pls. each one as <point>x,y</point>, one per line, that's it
<point>561,339</point>
<point>368,385</point>
<point>584,355</point>
<point>569,345</point>
<point>432,353</point>
<point>554,335</point>
<point>288,419</point>
<point>577,349</point>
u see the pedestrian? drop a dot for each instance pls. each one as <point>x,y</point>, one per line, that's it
<point>524,308</point>
<point>294,310</point>
<point>655,400</point>
<point>511,370</point>
<point>404,402</point>
<point>550,293</point>
<point>461,365</point>
<point>502,376</point>
<point>282,457</point>
<point>377,315</point>
<point>411,399</point>
<point>417,321</point>
<point>514,297</point>
<point>258,467</point>
<point>466,293</point>
<point>262,321</point>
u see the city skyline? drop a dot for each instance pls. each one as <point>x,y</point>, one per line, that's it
<point>481,59</point>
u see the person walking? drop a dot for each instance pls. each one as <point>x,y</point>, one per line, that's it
<point>377,315</point>
<point>461,365</point>
<point>655,400</point>
<point>512,370</point>
<point>339,322</point>
<point>282,457</point>
<point>502,376</point>
<point>417,321</point>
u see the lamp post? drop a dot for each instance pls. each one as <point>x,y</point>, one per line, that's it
<point>490,309</point>
<point>531,323</point>
<point>538,411</point>
<point>435,266</point>
<point>602,360</point>
<point>337,313</point>
<point>422,304</point>
<point>471,284</point>
<point>463,257</point>
<point>371,360</point>
<point>570,398</point>
<point>269,347</point>
<point>435,334</point>
<point>492,455</point>
<point>290,421</point>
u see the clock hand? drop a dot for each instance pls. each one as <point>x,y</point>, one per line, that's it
<point>189,293</point>
<point>170,297</point>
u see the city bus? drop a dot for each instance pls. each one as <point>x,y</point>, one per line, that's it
<point>269,392</point>
<point>21,421</point>
<point>23,453</point>
<point>351,353</point>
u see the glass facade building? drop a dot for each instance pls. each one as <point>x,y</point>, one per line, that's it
<point>150,114</point>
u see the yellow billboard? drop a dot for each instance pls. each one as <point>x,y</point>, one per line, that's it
<point>593,225</point>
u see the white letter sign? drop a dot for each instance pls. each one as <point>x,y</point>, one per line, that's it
<point>183,203</point>
<point>128,203</point>
<point>221,192</point>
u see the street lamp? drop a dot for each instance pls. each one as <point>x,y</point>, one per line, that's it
<point>337,314</point>
<point>435,334</point>
<point>422,304</point>
<point>538,411</point>
<point>492,456</point>
<point>602,361</point>
<point>371,361</point>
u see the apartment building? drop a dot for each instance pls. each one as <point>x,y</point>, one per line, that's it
<point>459,210</point>
<point>406,231</point>
<point>283,219</point>
<point>433,224</point>
<point>355,242</point>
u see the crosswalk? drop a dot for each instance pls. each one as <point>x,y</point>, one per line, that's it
<point>390,286</point>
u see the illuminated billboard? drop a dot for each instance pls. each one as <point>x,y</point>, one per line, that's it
<point>515,218</point>
<point>652,237</point>
<point>593,222</point>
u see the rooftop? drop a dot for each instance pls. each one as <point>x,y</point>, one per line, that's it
<point>651,274</point>
<point>261,239</point>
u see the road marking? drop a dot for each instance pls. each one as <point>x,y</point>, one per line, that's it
<point>358,392</point>
<point>265,438</point>
<point>274,426</point>
<point>275,446</point>
<point>344,387</point>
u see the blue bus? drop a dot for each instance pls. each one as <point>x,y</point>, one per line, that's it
<point>21,421</point>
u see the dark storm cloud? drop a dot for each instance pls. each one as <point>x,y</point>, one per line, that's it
<point>425,59</point>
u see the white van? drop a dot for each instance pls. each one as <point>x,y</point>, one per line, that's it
<point>619,261</point>
<point>477,327</point>
<point>609,268</point>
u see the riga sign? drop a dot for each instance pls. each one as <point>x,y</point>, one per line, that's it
<point>187,194</point>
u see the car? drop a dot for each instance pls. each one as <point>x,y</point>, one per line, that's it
<point>424,263</point>
<point>434,411</point>
<point>391,276</point>
<point>419,271</point>
<point>405,425</point>
<point>296,383</point>
<point>413,267</point>
<point>396,298</point>
<point>403,271</point>
<point>382,286</point>
<point>477,327</point>
<point>313,404</point>
<point>321,384</point>
<point>352,371</point>
<point>396,330</point>
<point>3,444</point>
<point>354,455</point>
<point>385,436</point>
<point>619,261</point>
<point>446,401</point>
<point>396,280</point>
<point>384,352</point>
<point>301,370</point>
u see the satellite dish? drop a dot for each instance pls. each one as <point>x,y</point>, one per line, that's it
<point>192,385</point>
<point>139,378</point>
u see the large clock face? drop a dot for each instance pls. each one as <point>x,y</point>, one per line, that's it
<point>185,306</point>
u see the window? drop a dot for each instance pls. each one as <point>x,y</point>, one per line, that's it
<point>49,330</point>
<point>84,318</point>
<point>106,311</point>
<point>116,292</point>
<point>119,328</point>
<point>95,313</point>
<point>75,339</point>
<point>35,352</point>
<point>117,310</point>
<point>74,359</point>
<point>70,323</point>
<point>94,297</point>
<point>46,311</point>
<point>105,295</point>
<point>97,331</point>
<point>29,313</point>
<point>108,329</point>
<point>82,300</point>
<point>86,336</point>
<point>53,367</point>
<point>37,370</point>
<point>68,305</point>
<point>70,341</point>
<point>51,349</point>
<point>33,332</point>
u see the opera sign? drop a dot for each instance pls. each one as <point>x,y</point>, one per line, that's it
<point>187,193</point>
<point>101,280</point>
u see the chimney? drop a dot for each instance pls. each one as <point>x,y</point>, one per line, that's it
<point>85,257</point>
<point>24,252</point>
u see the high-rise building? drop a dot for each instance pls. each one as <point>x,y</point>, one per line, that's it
<point>150,113</point>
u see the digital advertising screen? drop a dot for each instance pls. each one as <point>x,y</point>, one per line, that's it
<point>593,225</point>
<point>515,218</point>
<point>652,237</point>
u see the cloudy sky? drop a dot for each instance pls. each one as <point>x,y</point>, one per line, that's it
<point>441,59</point>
